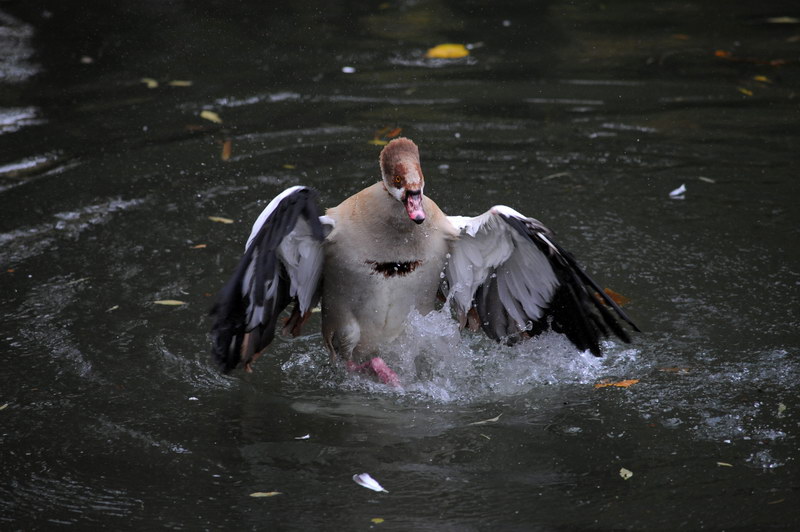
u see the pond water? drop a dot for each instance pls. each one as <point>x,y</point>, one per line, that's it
<point>585,115</point>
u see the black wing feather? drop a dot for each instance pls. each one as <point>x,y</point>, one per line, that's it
<point>574,310</point>
<point>236,302</point>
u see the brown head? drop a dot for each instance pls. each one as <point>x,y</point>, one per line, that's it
<point>402,176</point>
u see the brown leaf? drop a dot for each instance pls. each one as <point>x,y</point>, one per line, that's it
<point>619,384</point>
<point>616,297</point>
<point>227,146</point>
<point>681,371</point>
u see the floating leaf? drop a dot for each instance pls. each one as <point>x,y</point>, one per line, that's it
<point>487,421</point>
<point>724,464</point>
<point>200,246</point>
<point>783,20</point>
<point>762,79</point>
<point>378,142</point>
<point>447,51</point>
<point>377,520</point>
<point>170,302</point>
<point>706,179</point>
<point>220,219</point>
<point>368,482</point>
<point>3,407</point>
<point>112,309</point>
<point>746,92</point>
<point>149,82</point>
<point>616,297</point>
<point>553,176</point>
<point>682,371</point>
<point>781,409</point>
<point>618,384</point>
<point>680,191</point>
<point>210,116</point>
<point>180,83</point>
<point>393,133</point>
<point>625,473</point>
<point>227,147</point>
<point>289,166</point>
<point>265,493</point>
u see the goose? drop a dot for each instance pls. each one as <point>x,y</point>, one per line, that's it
<point>388,250</point>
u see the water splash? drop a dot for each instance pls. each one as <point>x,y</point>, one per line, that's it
<point>437,362</point>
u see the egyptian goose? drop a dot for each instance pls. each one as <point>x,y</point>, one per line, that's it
<point>389,249</point>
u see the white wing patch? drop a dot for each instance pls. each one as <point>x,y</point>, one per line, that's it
<point>271,206</point>
<point>489,252</point>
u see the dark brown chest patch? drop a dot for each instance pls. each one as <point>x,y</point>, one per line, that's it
<point>390,269</point>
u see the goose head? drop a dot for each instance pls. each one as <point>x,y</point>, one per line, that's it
<point>402,176</point>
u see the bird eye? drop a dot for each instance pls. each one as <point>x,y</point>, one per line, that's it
<point>397,180</point>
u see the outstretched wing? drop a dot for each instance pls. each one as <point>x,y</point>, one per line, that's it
<point>282,263</point>
<point>520,281</point>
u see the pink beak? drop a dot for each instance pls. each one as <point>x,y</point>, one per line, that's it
<point>413,203</point>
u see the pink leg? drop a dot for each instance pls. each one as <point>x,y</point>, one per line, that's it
<point>377,367</point>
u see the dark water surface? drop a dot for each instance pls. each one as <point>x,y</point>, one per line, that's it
<point>582,114</point>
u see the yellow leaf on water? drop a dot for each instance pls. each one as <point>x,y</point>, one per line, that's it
<point>746,92</point>
<point>220,219</point>
<point>289,166</point>
<point>150,82</point>
<point>3,407</point>
<point>618,384</point>
<point>211,116</point>
<point>180,83</point>
<point>265,493</point>
<point>447,51</point>
<point>625,473</point>
<point>170,302</point>
<point>378,142</point>
<point>377,520</point>
<point>762,79</point>
<point>724,464</point>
